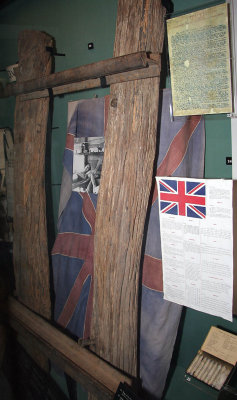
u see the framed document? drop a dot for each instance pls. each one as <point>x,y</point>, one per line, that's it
<point>199,52</point>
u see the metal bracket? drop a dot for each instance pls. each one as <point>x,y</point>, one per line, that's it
<point>103,82</point>
<point>53,51</point>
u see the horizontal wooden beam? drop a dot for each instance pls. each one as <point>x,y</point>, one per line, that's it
<point>149,72</point>
<point>94,374</point>
<point>111,66</point>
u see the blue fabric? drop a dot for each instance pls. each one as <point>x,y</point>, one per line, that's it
<point>159,318</point>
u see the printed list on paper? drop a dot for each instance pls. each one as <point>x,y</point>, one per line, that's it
<point>196,223</point>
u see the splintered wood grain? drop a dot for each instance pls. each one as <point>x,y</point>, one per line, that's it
<point>130,143</point>
<point>30,235</point>
<point>139,27</point>
<point>34,60</point>
<point>30,250</point>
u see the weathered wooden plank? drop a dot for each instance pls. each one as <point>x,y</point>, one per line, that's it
<point>149,72</point>
<point>93,373</point>
<point>125,189</point>
<point>30,251</point>
<point>101,68</point>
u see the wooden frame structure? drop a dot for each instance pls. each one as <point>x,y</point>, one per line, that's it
<point>136,65</point>
<point>97,376</point>
<point>125,68</point>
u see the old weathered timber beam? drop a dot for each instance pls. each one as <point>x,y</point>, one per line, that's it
<point>125,188</point>
<point>30,246</point>
<point>94,374</point>
<point>148,72</point>
<point>95,70</point>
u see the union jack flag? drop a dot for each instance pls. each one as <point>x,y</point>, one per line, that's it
<point>180,197</point>
<point>181,153</point>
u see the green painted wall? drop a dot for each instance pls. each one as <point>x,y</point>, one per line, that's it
<point>195,325</point>
<point>75,23</point>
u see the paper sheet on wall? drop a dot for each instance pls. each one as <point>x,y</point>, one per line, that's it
<point>234,147</point>
<point>196,223</point>
<point>200,62</point>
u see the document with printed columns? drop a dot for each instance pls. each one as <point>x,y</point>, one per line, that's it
<point>196,223</point>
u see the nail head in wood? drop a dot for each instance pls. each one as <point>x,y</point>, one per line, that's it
<point>114,102</point>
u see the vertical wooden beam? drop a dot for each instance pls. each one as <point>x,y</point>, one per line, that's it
<point>130,145</point>
<point>30,251</point>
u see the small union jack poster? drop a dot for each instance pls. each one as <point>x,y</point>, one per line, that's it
<point>180,197</point>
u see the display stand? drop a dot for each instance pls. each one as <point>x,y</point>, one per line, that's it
<point>134,78</point>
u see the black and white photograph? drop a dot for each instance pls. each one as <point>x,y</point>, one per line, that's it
<point>87,164</point>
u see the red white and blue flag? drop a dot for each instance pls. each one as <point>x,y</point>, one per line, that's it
<point>180,151</point>
<point>182,197</point>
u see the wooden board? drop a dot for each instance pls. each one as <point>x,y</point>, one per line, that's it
<point>79,363</point>
<point>130,145</point>
<point>150,71</point>
<point>30,251</point>
<point>128,62</point>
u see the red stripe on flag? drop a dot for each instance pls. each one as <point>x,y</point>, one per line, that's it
<point>196,188</point>
<point>74,295</point>
<point>152,276</point>
<point>69,141</point>
<point>168,187</point>
<point>85,272</point>
<point>164,210</point>
<point>177,150</point>
<point>197,211</point>
<point>72,245</point>
<point>88,210</point>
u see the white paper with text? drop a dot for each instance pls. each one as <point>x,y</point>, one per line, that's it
<point>196,223</point>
